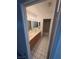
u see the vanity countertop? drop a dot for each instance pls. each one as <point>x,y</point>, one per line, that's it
<point>33,33</point>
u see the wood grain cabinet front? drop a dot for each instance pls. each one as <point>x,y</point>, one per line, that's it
<point>35,40</point>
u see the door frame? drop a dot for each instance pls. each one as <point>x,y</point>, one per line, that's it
<point>54,26</point>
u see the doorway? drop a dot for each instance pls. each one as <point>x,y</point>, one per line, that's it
<point>46,26</point>
<point>39,17</point>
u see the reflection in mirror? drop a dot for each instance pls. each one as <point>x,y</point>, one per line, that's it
<point>33,24</point>
<point>39,25</point>
<point>29,25</point>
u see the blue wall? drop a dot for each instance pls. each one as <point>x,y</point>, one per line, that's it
<point>56,50</point>
<point>21,42</point>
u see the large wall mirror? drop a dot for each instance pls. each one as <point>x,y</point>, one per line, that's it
<point>33,25</point>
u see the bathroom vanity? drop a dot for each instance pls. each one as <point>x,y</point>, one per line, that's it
<point>34,33</point>
<point>34,36</point>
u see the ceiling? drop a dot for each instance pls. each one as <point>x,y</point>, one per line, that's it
<point>40,10</point>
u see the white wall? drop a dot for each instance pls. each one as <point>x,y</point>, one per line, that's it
<point>32,16</point>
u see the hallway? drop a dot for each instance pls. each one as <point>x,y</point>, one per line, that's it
<point>41,48</point>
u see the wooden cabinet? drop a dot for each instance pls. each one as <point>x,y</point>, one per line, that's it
<point>35,40</point>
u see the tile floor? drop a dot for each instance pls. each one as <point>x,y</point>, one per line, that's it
<point>41,48</point>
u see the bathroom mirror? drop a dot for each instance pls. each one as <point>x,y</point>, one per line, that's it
<point>33,24</point>
<point>36,24</point>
